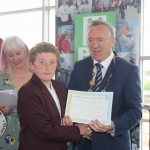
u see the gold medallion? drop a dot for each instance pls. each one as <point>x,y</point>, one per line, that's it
<point>92,82</point>
<point>103,91</point>
<point>107,83</point>
<point>90,90</point>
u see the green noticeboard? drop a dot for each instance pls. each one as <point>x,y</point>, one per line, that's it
<point>82,23</point>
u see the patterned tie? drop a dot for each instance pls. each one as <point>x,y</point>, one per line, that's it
<point>98,78</point>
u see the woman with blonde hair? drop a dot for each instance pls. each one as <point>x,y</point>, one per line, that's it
<point>15,73</point>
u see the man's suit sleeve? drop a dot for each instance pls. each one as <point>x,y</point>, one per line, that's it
<point>132,104</point>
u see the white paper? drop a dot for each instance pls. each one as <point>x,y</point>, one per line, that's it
<point>8,98</point>
<point>82,107</point>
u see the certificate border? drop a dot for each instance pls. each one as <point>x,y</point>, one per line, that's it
<point>108,96</point>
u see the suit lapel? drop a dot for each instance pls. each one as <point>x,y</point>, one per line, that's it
<point>50,98</point>
<point>45,91</point>
<point>88,72</point>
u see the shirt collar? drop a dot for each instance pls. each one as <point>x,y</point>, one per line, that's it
<point>105,63</point>
<point>52,89</point>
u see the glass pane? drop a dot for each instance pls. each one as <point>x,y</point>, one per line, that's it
<point>11,5</point>
<point>146,25</point>
<point>52,2</point>
<point>146,85</point>
<point>28,26</point>
<point>145,135</point>
<point>52,26</point>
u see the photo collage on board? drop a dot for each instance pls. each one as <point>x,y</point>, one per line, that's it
<point>128,20</point>
<point>65,33</point>
<point>128,30</point>
<point>65,44</point>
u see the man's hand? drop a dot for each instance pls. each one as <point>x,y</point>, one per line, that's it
<point>98,127</point>
<point>5,109</point>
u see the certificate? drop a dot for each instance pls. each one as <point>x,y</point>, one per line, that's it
<point>82,107</point>
<point>8,98</point>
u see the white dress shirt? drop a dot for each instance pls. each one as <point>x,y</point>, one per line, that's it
<point>105,63</point>
<point>55,97</point>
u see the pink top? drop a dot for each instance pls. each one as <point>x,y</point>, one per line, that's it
<point>99,4</point>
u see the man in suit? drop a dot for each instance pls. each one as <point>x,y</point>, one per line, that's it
<point>118,76</point>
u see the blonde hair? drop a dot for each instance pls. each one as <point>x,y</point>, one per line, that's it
<point>11,43</point>
<point>45,47</point>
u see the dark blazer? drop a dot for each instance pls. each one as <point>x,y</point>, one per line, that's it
<point>40,120</point>
<point>126,107</point>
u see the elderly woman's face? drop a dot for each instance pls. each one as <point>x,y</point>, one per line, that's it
<point>124,30</point>
<point>17,58</point>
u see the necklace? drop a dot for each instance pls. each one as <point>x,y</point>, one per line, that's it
<point>92,82</point>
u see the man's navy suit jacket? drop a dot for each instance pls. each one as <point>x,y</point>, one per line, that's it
<point>126,107</point>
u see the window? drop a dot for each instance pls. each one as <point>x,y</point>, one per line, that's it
<point>146,82</point>
<point>146,28</point>
<point>51,2</point>
<point>15,5</point>
<point>145,75</point>
<point>29,28</point>
<point>52,26</point>
<point>145,69</point>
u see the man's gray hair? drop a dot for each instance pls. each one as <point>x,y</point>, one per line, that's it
<point>110,28</point>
